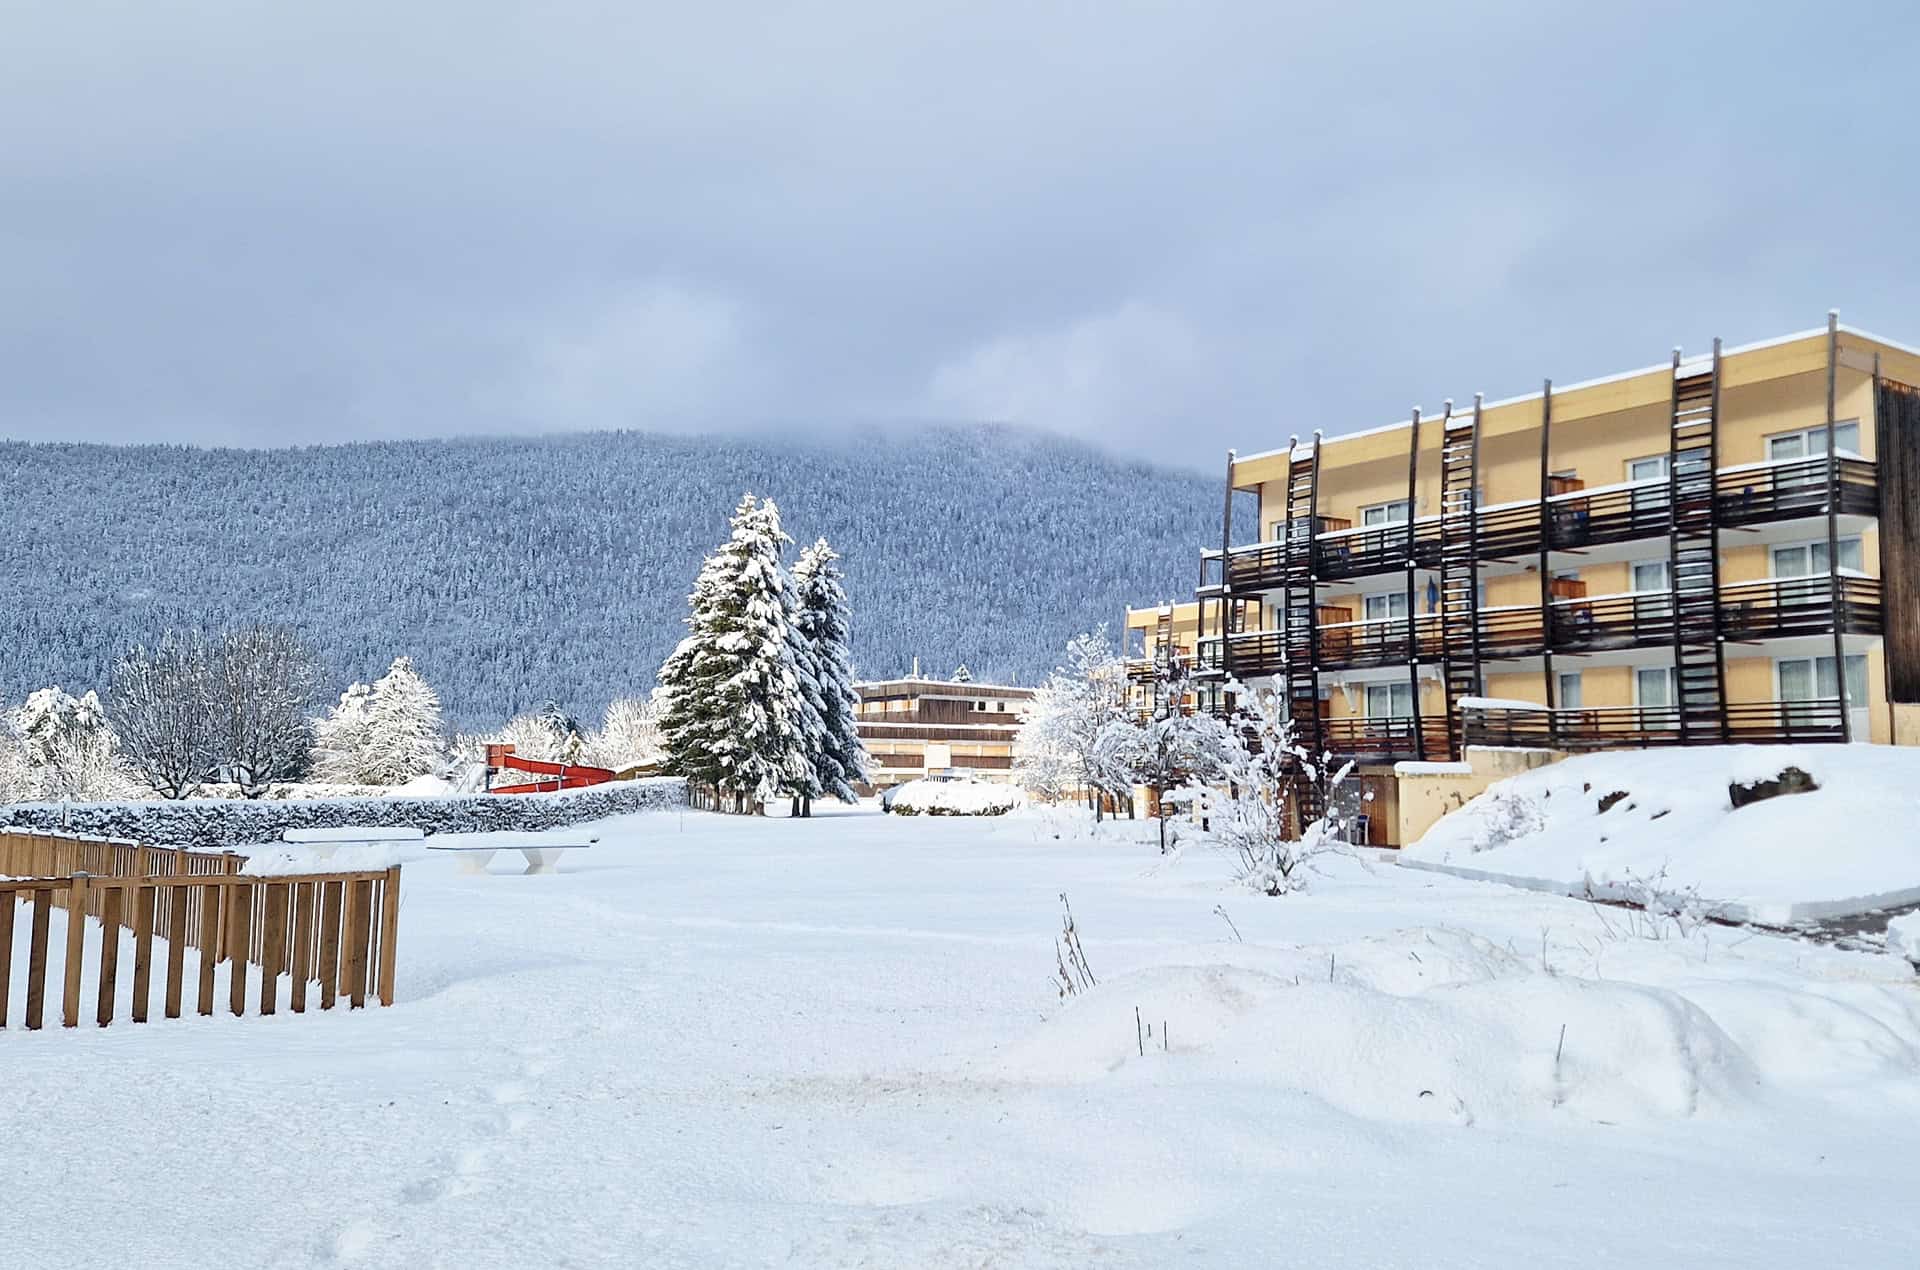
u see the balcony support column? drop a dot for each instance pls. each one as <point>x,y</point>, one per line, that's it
<point>1413,613</point>
<point>1833,530</point>
<point>1226,577</point>
<point>1546,545</point>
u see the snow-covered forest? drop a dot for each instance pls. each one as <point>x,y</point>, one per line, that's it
<point>517,571</point>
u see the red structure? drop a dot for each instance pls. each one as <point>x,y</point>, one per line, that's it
<point>501,758</point>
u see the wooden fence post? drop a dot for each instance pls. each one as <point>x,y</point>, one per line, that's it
<point>303,896</point>
<point>239,902</point>
<point>76,949</point>
<point>145,897</point>
<point>109,951</point>
<point>37,957</point>
<point>209,943</point>
<point>8,901</point>
<point>389,933</point>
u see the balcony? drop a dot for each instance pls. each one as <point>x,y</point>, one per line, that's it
<point>1769,608</point>
<point>1384,739</point>
<point>1637,727</point>
<point>1751,494</point>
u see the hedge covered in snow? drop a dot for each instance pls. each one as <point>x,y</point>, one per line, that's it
<point>231,822</point>
<point>954,798</point>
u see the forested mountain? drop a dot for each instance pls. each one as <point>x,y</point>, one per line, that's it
<point>517,570</point>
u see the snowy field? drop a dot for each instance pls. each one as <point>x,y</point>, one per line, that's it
<point>713,1041</point>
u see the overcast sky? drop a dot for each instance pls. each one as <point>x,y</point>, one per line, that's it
<point>1166,228</point>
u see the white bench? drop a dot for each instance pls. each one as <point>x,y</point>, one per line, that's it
<point>541,856</point>
<point>322,843</point>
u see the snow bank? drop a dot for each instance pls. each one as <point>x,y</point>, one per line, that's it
<point>1471,1040</point>
<point>956,798</point>
<point>233,822</point>
<point>1438,1025</point>
<point>1903,937</point>
<point>1628,824</point>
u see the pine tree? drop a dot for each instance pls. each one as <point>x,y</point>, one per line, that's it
<point>840,758</point>
<point>403,736</point>
<point>340,739</point>
<point>733,716</point>
<point>961,675</point>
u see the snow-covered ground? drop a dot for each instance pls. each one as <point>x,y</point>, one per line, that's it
<point>1626,823</point>
<point>714,1041</point>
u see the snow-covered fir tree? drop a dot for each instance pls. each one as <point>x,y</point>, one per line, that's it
<point>824,619</point>
<point>961,675</point>
<point>734,711</point>
<point>405,737</point>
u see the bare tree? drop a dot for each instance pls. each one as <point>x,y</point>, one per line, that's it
<point>264,684</point>
<point>161,703</point>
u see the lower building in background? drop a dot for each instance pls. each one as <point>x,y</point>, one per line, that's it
<point>939,727</point>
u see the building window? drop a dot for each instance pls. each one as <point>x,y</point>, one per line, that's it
<point>1567,693</point>
<point>1384,607</point>
<point>1390,701</point>
<point>1811,679</point>
<point>1651,468</point>
<point>1804,559</point>
<point>1811,443</point>
<point>1653,686</point>
<point>1649,575</point>
<point>1394,513</point>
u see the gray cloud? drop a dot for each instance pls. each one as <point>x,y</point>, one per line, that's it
<point>1167,228</point>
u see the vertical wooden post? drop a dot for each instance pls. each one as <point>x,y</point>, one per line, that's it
<point>328,970</point>
<point>302,943</point>
<point>239,901</point>
<point>389,932</point>
<point>37,957</point>
<point>110,907</point>
<point>76,949</point>
<point>349,920</point>
<point>8,901</point>
<point>144,899</point>
<point>273,940</point>
<point>1834,590</point>
<point>359,933</point>
<point>209,943</point>
<point>176,947</point>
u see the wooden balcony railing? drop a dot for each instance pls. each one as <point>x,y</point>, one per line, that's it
<point>1577,517</point>
<point>1638,727</point>
<point>1770,608</point>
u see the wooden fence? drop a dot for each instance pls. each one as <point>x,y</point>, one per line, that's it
<point>334,930</point>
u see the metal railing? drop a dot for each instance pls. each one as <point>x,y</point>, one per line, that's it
<point>1745,495</point>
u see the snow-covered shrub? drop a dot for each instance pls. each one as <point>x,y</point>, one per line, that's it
<point>629,734</point>
<point>1058,751</point>
<point>1903,937</point>
<point>1504,816</point>
<point>954,798</point>
<point>221,823</point>
<point>61,746</point>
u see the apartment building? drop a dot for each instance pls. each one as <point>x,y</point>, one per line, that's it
<point>917,727</point>
<point>1159,643</point>
<point>1719,548</point>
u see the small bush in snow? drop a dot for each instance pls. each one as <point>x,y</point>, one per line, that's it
<point>1506,817</point>
<point>954,798</point>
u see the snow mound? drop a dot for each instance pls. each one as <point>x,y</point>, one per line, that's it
<point>1903,937</point>
<point>1484,1050</point>
<point>1628,824</point>
<point>955,798</point>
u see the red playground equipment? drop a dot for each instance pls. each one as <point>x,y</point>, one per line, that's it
<point>501,758</point>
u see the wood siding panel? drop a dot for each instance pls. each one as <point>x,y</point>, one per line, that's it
<point>1897,423</point>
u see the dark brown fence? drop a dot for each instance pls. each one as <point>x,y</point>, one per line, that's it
<point>334,932</point>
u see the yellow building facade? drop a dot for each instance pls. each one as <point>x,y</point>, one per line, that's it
<point>1717,549</point>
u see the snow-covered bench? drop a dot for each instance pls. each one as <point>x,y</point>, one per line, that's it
<point>542,854</point>
<point>322,843</point>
